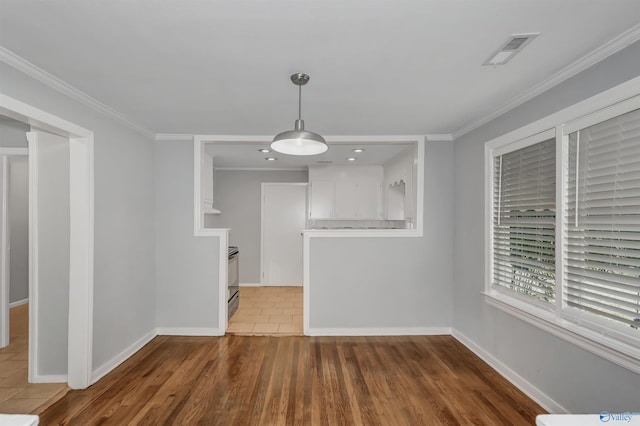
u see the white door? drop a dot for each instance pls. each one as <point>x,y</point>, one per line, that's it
<point>283,219</point>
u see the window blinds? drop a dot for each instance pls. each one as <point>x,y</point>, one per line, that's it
<point>524,211</point>
<point>603,220</point>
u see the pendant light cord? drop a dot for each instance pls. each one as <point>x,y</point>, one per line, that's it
<point>299,102</point>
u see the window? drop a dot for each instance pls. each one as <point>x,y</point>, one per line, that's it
<point>563,224</point>
<point>603,222</point>
<point>524,215</point>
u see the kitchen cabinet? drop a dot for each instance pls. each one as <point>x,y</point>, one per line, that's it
<point>321,199</point>
<point>344,200</point>
<point>368,196</point>
<point>345,192</point>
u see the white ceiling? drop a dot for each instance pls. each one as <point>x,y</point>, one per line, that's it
<point>377,66</point>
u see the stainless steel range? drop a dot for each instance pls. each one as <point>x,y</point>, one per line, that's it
<point>233,286</point>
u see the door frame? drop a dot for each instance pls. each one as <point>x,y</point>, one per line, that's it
<point>81,247</point>
<point>4,258</point>
<point>262,221</point>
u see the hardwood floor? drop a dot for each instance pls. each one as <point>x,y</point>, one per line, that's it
<point>240,380</point>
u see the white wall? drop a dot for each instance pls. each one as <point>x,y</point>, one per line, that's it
<point>124,302</point>
<point>19,227</point>
<point>186,266</point>
<point>237,193</point>
<point>576,379</point>
<point>390,282</point>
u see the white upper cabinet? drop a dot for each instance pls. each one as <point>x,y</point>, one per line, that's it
<point>346,206</point>
<point>321,199</point>
<point>345,192</point>
<point>368,200</point>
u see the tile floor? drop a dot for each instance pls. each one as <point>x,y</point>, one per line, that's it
<point>268,311</point>
<point>16,395</point>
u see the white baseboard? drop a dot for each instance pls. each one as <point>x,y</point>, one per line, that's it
<point>18,303</point>
<point>518,381</point>
<point>107,367</point>
<point>250,285</point>
<point>189,331</point>
<point>381,331</point>
<point>50,378</point>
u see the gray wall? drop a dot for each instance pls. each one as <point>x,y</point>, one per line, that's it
<point>238,195</point>
<point>391,282</point>
<point>53,253</point>
<point>576,379</point>
<point>13,135</point>
<point>19,227</point>
<point>124,273</point>
<point>186,266</point>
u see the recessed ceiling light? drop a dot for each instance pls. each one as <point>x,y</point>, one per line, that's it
<point>351,159</point>
<point>271,159</point>
<point>265,150</point>
<point>358,150</point>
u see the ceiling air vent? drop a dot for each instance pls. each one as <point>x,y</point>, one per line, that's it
<point>510,48</point>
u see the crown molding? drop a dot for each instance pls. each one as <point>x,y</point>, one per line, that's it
<point>66,89</point>
<point>173,137</point>
<point>618,43</point>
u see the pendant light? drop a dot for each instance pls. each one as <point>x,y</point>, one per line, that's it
<point>299,141</point>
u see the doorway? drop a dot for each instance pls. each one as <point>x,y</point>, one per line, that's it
<point>14,234</point>
<point>275,307</point>
<point>78,323</point>
<point>14,272</point>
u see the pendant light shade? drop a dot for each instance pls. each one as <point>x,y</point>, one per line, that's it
<point>299,141</point>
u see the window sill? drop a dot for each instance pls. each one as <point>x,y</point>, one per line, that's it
<point>613,350</point>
